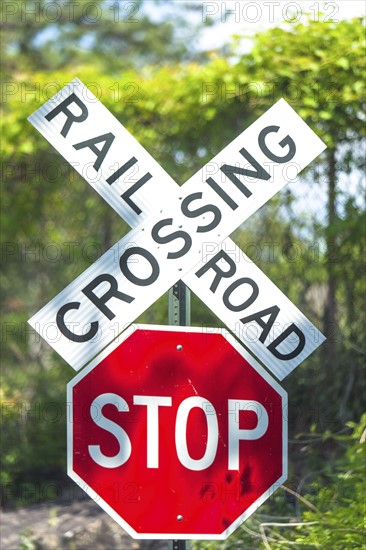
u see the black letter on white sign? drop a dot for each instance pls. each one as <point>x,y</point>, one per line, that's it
<point>112,292</point>
<point>63,108</point>
<point>281,338</point>
<point>230,171</point>
<point>286,141</point>
<point>134,251</point>
<point>259,172</point>
<point>60,321</point>
<point>100,153</point>
<point>135,187</point>
<point>225,197</point>
<point>234,286</point>
<point>212,264</point>
<point>272,311</point>
<point>200,211</point>
<point>171,237</point>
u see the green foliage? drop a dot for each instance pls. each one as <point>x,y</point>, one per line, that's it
<point>331,516</point>
<point>40,35</point>
<point>319,68</point>
<point>338,522</point>
<point>54,225</point>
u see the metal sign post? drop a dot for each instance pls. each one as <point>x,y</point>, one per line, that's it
<point>179,305</point>
<point>179,313</point>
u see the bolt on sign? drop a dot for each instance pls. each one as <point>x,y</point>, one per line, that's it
<point>166,244</point>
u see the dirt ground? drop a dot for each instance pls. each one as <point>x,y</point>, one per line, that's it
<point>80,525</point>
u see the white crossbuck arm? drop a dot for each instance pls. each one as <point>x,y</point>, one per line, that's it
<point>172,227</point>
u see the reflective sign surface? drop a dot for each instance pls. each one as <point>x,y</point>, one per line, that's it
<point>177,433</point>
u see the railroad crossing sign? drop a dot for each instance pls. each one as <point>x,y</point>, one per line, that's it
<point>172,227</point>
<point>163,447</point>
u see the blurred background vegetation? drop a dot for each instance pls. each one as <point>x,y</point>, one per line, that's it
<point>184,104</point>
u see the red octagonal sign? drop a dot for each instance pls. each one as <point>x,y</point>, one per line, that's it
<point>177,433</point>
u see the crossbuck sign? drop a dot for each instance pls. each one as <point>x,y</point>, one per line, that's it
<point>171,228</point>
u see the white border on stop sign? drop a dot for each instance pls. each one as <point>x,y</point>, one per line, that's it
<point>106,507</point>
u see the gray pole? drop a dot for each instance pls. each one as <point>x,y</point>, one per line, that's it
<point>179,305</point>
<point>179,314</point>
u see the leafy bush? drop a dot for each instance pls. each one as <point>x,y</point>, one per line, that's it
<point>333,516</point>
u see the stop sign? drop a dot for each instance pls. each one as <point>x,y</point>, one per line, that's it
<point>177,433</point>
